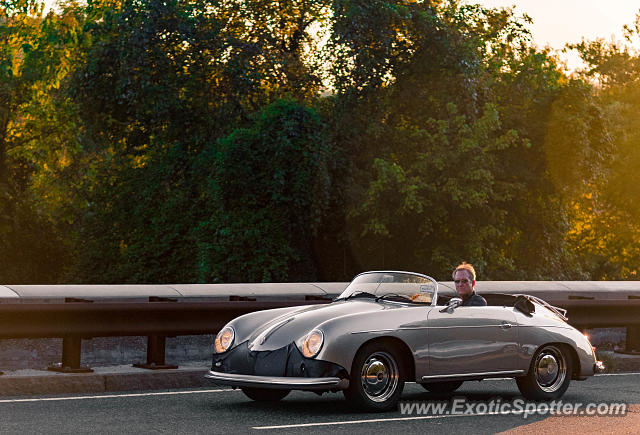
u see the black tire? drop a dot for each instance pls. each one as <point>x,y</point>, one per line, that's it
<point>549,374</point>
<point>442,387</point>
<point>377,378</point>
<point>265,394</point>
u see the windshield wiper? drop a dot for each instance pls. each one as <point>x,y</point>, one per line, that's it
<point>359,294</point>
<point>395,296</point>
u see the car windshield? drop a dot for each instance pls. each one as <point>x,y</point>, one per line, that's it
<point>394,286</point>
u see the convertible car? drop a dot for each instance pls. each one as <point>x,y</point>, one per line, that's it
<point>391,327</point>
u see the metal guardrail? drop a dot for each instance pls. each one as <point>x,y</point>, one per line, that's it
<point>76,312</point>
<point>158,319</point>
<point>175,291</point>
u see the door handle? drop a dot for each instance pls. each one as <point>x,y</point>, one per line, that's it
<point>505,325</point>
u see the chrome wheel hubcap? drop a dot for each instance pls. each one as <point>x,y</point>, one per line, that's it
<point>551,369</point>
<point>379,376</point>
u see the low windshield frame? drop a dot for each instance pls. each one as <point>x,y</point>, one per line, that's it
<point>381,282</point>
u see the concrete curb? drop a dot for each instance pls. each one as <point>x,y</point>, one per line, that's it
<point>102,380</point>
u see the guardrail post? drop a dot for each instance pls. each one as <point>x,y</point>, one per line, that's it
<point>633,339</point>
<point>155,354</point>
<point>71,350</point>
<point>156,346</point>
<point>71,353</point>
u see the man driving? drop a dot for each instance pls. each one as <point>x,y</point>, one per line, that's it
<point>464,277</point>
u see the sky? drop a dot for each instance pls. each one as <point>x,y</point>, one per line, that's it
<point>557,22</point>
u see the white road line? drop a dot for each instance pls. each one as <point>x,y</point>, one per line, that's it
<point>617,374</point>
<point>173,393</point>
<point>382,420</point>
<point>114,396</point>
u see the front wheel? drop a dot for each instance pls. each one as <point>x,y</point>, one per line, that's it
<point>264,394</point>
<point>376,380</point>
<point>549,375</point>
<point>442,387</point>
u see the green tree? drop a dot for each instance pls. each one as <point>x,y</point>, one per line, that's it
<point>271,183</point>
<point>195,141</point>
<point>161,85</point>
<point>446,197</point>
<point>33,58</point>
<point>605,233</point>
<point>461,90</point>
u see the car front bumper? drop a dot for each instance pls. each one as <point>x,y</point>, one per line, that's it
<point>278,382</point>
<point>284,368</point>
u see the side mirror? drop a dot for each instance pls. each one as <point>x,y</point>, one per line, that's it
<point>453,304</point>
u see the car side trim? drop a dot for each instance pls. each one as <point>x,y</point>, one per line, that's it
<point>475,375</point>
<point>373,330</point>
<point>278,382</point>
<point>471,326</point>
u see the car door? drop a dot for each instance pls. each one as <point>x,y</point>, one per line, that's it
<point>472,340</point>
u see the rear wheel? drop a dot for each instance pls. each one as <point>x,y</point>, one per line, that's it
<point>442,387</point>
<point>264,394</point>
<point>376,380</point>
<point>549,375</point>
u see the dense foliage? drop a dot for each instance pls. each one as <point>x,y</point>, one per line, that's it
<point>148,141</point>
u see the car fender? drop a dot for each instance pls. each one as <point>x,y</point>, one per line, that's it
<point>533,337</point>
<point>344,336</point>
<point>246,324</point>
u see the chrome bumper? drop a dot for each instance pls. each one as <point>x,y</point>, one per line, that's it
<point>278,382</point>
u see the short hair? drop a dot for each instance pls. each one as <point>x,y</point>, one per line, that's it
<point>465,266</point>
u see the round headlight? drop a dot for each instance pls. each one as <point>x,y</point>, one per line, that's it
<point>312,343</point>
<point>224,339</point>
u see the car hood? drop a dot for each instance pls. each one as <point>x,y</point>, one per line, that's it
<point>284,329</point>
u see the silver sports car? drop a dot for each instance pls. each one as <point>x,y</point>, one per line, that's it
<point>391,327</point>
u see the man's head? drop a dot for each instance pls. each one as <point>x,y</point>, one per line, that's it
<point>464,277</point>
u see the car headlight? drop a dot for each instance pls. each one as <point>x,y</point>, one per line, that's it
<point>312,343</point>
<point>224,339</point>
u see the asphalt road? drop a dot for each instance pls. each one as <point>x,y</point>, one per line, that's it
<point>223,411</point>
